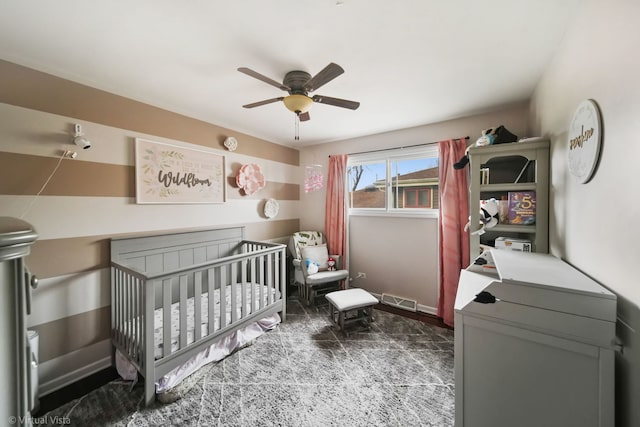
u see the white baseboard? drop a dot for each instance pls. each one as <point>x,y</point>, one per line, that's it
<point>71,367</point>
<point>72,377</point>
<point>428,310</point>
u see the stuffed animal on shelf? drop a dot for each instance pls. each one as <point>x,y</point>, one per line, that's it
<point>332,264</point>
<point>489,210</point>
<point>499,135</point>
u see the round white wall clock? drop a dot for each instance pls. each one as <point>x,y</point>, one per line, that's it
<point>585,137</point>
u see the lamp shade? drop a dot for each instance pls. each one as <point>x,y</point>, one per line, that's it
<point>298,103</point>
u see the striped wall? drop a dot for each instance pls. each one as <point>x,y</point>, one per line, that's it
<point>91,199</point>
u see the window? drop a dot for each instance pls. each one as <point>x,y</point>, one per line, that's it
<point>400,181</point>
<point>418,198</point>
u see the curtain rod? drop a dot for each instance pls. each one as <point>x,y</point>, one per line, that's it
<point>400,148</point>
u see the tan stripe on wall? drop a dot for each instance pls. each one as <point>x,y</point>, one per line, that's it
<point>36,90</point>
<point>271,229</point>
<point>71,333</point>
<point>24,174</point>
<point>57,257</point>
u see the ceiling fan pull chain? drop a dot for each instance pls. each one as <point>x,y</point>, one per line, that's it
<point>297,127</point>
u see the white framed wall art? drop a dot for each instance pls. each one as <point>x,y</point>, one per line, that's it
<point>173,174</point>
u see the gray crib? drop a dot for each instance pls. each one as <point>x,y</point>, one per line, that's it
<point>214,282</point>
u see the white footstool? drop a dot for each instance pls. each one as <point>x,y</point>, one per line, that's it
<point>351,305</point>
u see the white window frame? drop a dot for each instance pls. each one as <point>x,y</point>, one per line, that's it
<point>388,157</point>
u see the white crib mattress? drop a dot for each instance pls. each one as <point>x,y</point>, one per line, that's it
<point>204,310</point>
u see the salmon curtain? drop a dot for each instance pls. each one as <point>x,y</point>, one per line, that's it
<point>335,224</point>
<point>454,212</point>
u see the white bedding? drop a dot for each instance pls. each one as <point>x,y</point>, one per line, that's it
<point>204,304</point>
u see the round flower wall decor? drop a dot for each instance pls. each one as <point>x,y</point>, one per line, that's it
<point>250,178</point>
<point>231,143</point>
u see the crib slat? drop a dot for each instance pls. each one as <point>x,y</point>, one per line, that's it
<point>270,278</point>
<point>261,261</point>
<point>129,323</point>
<point>128,326</point>
<point>243,289</point>
<point>119,309</point>
<point>112,286</point>
<point>233,289</point>
<point>279,276</point>
<point>260,280</point>
<point>149,292</point>
<point>183,280</point>
<point>210,293</point>
<point>166,317</point>
<point>115,304</point>
<point>134,316</point>
<point>283,285</point>
<point>197,314</point>
<point>140,286</point>
<point>255,294</point>
<point>223,296</point>
<point>121,313</point>
<point>127,315</point>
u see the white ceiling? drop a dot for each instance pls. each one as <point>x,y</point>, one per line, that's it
<point>409,62</point>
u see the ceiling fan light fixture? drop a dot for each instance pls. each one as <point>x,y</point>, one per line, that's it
<point>298,103</point>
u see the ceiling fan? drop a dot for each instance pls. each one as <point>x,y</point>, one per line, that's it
<point>298,84</point>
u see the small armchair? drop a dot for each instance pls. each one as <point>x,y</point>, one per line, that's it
<point>311,245</point>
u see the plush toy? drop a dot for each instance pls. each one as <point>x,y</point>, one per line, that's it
<point>499,135</point>
<point>486,138</point>
<point>488,215</point>
<point>489,212</point>
<point>312,267</point>
<point>332,264</point>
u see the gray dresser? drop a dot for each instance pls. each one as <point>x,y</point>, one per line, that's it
<point>534,345</point>
<point>16,238</point>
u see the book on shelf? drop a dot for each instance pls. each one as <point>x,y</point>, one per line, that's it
<point>484,176</point>
<point>522,207</point>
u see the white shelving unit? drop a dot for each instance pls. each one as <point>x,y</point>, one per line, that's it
<point>518,166</point>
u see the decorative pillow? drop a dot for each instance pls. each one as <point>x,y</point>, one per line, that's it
<point>317,254</point>
<point>306,238</point>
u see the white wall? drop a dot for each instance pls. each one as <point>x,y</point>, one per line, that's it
<point>411,274</point>
<point>366,244</point>
<point>592,225</point>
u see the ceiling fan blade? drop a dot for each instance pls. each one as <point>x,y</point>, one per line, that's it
<point>265,102</point>
<point>337,102</point>
<point>304,116</point>
<point>327,74</point>
<point>256,75</point>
